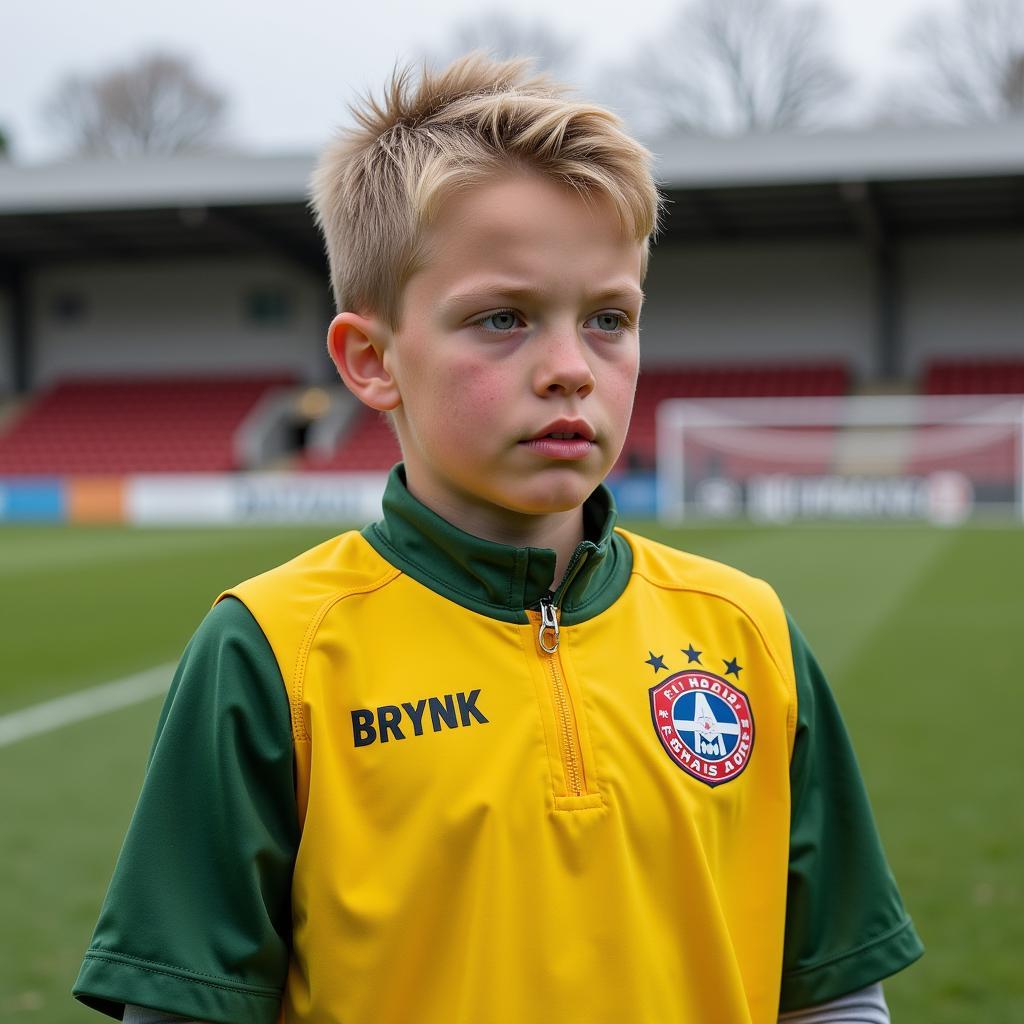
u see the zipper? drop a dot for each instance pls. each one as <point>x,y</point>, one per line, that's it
<point>572,758</point>
<point>548,640</point>
<point>547,635</point>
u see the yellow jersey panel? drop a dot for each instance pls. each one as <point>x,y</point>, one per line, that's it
<point>482,811</point>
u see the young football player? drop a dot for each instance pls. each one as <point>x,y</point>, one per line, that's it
<point>492,760</point>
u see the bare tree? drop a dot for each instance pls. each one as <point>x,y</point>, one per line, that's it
<point>505,37</point>
<point>735,66</point>
<point>157,105</point>
<point>5,144</point>
<point>969,63</point>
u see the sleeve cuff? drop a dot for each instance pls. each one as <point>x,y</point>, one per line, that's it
<point>108,980</point>
<point>856,969</point>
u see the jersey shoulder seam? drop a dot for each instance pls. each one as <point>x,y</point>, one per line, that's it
<point>783,665</point>
<point>710,592</point>
<point>302,655</point>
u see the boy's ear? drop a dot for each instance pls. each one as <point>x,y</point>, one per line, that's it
<point>357,345</point>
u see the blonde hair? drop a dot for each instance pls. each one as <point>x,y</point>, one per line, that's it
<point>378,185</point>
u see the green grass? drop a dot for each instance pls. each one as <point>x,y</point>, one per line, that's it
<point>920,631</point>
<point>85,605</point>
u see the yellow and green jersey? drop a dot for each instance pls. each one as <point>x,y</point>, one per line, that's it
<point>398,781</point>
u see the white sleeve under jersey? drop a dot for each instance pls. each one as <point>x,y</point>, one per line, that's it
<point>864,1007</point>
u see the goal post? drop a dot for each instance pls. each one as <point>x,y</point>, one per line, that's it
<point>934,458</point>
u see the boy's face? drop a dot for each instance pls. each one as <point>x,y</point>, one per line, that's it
<point>517,355</point>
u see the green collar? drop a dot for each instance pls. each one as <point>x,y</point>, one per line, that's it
<point>495,579</point>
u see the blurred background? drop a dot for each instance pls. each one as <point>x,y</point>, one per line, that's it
<point>832,390</point>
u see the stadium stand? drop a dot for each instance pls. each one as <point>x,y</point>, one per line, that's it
<point>132,425</point>
<point>734,381</point>
<point>974,377</point>
<point>367,445</point>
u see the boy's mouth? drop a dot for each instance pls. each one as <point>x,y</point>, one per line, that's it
<point>564,440</point>
<point>565,430</point>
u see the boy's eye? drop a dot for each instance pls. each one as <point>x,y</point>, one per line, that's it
<point>610,322</point>
<point>503,320</point>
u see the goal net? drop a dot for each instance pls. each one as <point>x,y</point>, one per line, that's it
<point>941,459</point>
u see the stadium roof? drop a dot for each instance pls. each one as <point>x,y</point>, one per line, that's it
<point>881,154</point>
<point>883,182</point>
<point>79,185</point>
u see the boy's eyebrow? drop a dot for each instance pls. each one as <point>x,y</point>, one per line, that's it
<point>504,289</point>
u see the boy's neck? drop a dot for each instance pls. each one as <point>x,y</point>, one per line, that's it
<point>559,531</point>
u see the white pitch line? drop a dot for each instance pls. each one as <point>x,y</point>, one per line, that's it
<point>77,707</point>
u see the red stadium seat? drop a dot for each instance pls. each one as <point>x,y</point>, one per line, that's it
<point>974,377</point>
<point>133,425</point>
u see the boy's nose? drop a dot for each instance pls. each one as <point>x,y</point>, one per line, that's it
<point>563,367</point>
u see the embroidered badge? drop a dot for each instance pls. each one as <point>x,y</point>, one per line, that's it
<point>705,725</point>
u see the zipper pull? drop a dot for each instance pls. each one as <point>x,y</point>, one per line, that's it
<point>548,626</point>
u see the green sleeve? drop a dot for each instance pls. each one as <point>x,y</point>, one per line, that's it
<point>845,923</point>
<point>197,918</point>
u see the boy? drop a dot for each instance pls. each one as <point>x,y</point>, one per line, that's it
<point>491,761</point>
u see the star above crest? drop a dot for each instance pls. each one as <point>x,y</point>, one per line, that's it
<point>691,655</point>
<point>732,668</point>
<point>656,661</point>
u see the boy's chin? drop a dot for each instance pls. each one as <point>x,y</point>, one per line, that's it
<point>554,498</point>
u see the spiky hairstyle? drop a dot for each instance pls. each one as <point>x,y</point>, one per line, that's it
<point>379,184</point>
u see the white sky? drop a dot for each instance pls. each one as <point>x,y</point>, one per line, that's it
<point>290,66</point>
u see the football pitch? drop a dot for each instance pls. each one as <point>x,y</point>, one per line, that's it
<point>920,630</point>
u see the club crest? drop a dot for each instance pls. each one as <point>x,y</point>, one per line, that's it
<point>704,724</point>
